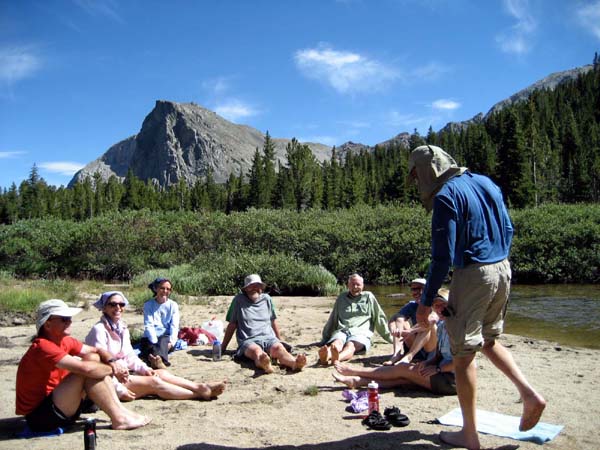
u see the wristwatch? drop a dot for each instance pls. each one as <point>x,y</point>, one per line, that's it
<point>111,360</point>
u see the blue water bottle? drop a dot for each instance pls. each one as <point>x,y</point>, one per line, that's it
<point>216,350</point>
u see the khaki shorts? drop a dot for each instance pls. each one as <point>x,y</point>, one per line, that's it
<point>477,305</point>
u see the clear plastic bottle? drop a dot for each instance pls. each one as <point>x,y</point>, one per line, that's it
<point>216,350</point>
<point>89,434</point>
<point>373,396</point>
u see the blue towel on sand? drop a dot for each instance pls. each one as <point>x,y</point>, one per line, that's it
<point>505,426</point>
<point>28,433</point>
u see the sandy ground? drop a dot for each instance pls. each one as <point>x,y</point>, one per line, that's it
<point>276,412</point>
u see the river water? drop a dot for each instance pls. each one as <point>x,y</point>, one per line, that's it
<point>565,314</point>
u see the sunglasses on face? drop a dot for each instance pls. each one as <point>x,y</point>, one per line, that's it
<point>61,318</point>
<point>115,304</point>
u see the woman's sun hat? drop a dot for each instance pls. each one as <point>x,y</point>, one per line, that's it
<point>53,307</point>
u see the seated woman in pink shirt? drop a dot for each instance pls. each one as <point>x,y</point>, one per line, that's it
<point>111,333</point>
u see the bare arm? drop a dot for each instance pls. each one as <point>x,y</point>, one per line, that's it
<point>275,326</point>
<point>231,327</point>
<point>88,369</point>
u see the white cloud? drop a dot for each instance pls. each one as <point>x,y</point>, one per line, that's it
<point>17,62</point>
<point>107,8</point>
<point>344,71</point>
<point>10,155</point>
<point>233,109</point>
<point>445,104</point>
<point>518,38</point>
<point>216,86</point>
<point>62,167</point>
<point>589,17</point>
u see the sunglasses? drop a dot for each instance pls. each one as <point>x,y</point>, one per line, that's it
<point>115,304</point>
<point>61,318</point>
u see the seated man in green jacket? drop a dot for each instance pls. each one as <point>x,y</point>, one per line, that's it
<point>355,316</point>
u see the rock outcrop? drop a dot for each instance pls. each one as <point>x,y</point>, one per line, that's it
<point>183,141</point>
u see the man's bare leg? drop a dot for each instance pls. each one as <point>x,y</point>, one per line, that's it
<point>279,352</point>
<point>347,352</point>
<point>533,402</point>
<point>465,370</point>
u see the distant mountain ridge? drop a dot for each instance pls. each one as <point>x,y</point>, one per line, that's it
<point>184,141</point>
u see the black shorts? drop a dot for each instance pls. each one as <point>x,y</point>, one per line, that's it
<point>47,417</point>
<point>443,383</point>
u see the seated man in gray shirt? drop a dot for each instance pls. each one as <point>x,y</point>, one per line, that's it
<point>252,316</point>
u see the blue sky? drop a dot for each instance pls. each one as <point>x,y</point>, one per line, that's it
<point>77,76</point>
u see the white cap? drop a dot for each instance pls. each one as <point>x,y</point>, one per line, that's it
<point>253,279</point>
<point>53,307</point>
<point>372,385</point>
<point>421,281</point>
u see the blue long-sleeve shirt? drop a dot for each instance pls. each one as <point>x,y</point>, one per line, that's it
<point>469,224</point>
<point>161,318</point>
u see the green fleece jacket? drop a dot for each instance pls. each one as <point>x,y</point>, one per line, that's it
<point>357,316</point>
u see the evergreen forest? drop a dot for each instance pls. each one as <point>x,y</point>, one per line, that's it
<point>542,150</point>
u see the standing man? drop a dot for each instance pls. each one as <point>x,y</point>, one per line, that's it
<point>472,232</point>
<point>356,314</point>
<point>58,371</point>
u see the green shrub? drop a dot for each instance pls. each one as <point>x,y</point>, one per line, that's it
<point>385,244</point>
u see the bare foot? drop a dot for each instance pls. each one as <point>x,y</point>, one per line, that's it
<point>344,369</point>
<point>300,362</point>
<point>211,390</point>
<point>458,439</point>
<point>351,382</point>
<point>324,355</point>
<point>156,362</point>
<point>533,407</point>
<point>406,358</point>
<point>131,423</point>
<point>335,354</point>
<point>264,363</point>
<point>393,360</point>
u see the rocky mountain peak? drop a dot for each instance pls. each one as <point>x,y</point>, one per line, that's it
<point>184,141</point>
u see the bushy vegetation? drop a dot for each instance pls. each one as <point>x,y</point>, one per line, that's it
<point>211,253</point>
<point>557,244</point>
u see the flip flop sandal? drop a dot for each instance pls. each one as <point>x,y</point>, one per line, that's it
<point>395,417</point>
<point>375,421</point>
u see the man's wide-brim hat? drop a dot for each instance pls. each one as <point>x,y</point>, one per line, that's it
<point>53,307</point>
<point>253,279</point>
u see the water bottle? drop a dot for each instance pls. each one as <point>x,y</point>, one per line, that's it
<point>89,434</point>
<point>216,350</point>
<point>373,396</point>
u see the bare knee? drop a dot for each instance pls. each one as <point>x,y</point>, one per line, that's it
<point>91,357</point>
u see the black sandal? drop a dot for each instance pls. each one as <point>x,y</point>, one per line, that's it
<point>395,417</point>
<point>375,421</point>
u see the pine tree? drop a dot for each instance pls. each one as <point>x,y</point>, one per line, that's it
<point>269,176</point>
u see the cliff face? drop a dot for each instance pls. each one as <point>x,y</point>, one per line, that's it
<point>183,141</point>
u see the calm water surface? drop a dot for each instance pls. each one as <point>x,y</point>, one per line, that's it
<point>566,314</point>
